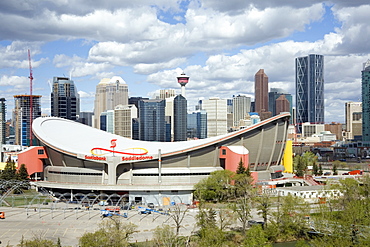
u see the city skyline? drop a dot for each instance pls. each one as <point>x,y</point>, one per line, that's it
<point>219,45</point>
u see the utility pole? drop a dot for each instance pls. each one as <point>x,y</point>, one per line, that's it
<point>31,106</point>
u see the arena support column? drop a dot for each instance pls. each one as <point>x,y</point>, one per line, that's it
<point>112,169</point>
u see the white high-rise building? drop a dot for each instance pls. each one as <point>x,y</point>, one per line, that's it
<point>241,106</point>
<point>216,109</point>
<point>169,114</point>
<point>123,115</point>
<point>166,93</point>
<point>109,94</point>
<point>353,119</point>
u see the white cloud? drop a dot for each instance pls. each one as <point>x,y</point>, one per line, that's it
<point>15,55</point>
<point>14,81</point>
<point>78,67</point>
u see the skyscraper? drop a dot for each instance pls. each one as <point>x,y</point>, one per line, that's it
<point>261,91</point>
<point>166,93</point>
<point>152,120</point>
<point>216,109</point>
<point>123,120</point>
<point>310,89</point>
<point>261,100</point>
<point>282,104</point>
<point>197,124</point>
<point>353,112</point>
<point>86,118</point>
<point>241,106</point>
<point>65,101</point>
<point>180,118</point>
<point>22,118</point>
<point>109,94</point>
<point>366,101</point>
<point>274,94</point>
<point>2,121</point>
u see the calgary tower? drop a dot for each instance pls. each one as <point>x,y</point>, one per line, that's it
<point>183,80</point>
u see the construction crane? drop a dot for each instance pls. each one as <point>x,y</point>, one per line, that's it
<point>31,107</point>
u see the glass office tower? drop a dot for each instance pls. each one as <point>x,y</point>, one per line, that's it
<point>366,102</point>
<point>310,89</point>
<point>152,120</point>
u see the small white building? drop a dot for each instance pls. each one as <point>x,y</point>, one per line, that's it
<point>311,194</point>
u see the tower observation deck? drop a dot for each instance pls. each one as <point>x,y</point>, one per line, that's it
<point>183,80</point>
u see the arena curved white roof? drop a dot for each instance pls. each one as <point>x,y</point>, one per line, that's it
<point>77,139</point>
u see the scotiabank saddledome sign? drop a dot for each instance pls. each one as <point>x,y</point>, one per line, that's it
<point>130,154</point>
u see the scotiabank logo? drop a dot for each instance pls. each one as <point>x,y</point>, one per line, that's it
<point>87,157</point>
<point>133,152</point>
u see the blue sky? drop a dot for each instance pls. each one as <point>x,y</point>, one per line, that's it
<point>220,45</point>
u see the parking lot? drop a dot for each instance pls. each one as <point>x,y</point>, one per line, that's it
<point>68,224</point>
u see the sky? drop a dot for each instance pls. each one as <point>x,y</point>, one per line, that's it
<point>220,45</point>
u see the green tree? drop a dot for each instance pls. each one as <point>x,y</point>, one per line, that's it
<point>212,236</point>
<point>299,165</point>
<point>263,205</point>
<point>9,172</point>
<point>37,241</point>
<point>216,187</point>
<point>242,209</point>
<point>22,173</point>
<point>315,169</point>
<point>206,218</point>
<point>241,168</point>
<point>165,236</point>
<point>335,169</point>
<point>256,237</point>
<point>225,217</point>
<point>112,232</point>
<point>288,222</point>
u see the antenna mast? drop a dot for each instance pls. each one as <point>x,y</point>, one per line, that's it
<point>31,107</point>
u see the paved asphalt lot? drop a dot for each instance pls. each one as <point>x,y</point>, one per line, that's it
<point>70,224</point>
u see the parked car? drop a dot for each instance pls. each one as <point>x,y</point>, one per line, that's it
<point>253,222</point>
<point>150,205</point>
<point>327,173</point>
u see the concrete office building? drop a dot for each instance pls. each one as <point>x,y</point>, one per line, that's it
<point>241,106</point>
<point>109,94</point>
<point>310,89</point>
<point>309,129</point>
<point>2,121</point>
<point>166,93</point>
<point>353,112</point>
<point>22,118</point>
<point>65,101</point>
<point>180,108</point>
<point>152,120</point>
<point>123,120</point>
<point>366,101</point>
<point>169,118</point>
<point>216,109</point>
<point>78,158</point>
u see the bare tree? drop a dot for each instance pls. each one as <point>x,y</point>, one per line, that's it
<point>225,217</point>
<point>177,214</point>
